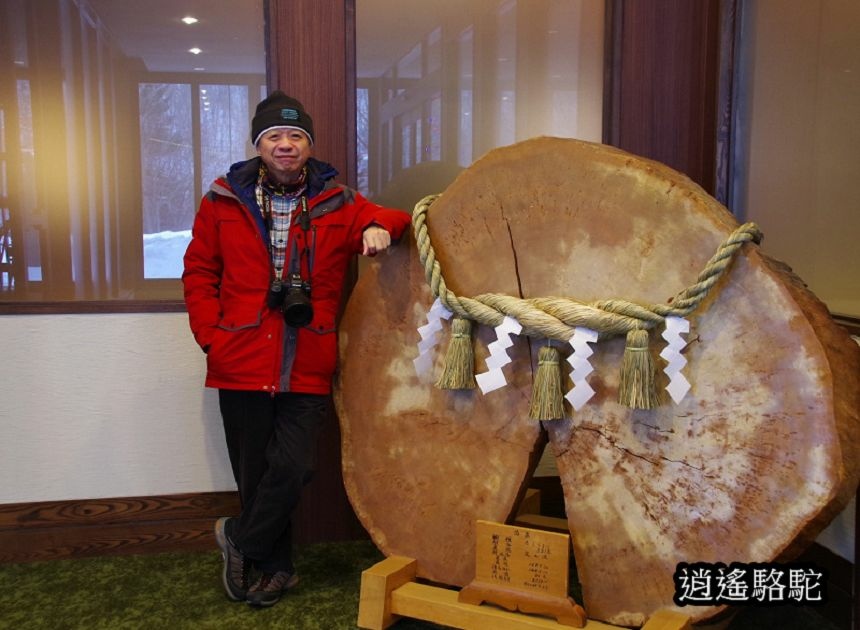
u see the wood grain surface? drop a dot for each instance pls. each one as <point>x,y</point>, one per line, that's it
<point>748,467</point>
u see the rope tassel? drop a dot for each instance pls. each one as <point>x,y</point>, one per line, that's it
<point>459,370</point>
<point>637,389</point>
<point>547,396</point>
<point>557,318</point>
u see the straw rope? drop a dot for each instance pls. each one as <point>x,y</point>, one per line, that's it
<point>556,317</point>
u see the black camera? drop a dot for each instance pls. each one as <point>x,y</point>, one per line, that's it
<point>294,300</point>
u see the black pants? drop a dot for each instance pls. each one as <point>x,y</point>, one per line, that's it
<point>272,442</point>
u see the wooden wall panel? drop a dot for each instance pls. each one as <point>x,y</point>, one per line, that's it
<point>662,82</point>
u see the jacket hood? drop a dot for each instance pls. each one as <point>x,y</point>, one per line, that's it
<point>242,177</point>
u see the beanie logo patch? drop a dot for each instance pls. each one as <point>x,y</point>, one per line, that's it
<point>289,114</point>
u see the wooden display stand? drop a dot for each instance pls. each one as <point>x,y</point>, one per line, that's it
<point>389,592</point>
<point>517,568</point>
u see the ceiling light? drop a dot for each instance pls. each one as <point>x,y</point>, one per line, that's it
<point>195,51</point>
<point>190,20</point>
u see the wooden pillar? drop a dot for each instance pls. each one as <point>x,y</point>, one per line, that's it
<point>666,93</point>
<point>311,56</point>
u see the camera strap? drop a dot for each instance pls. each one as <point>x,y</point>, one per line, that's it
<point>304,221</point>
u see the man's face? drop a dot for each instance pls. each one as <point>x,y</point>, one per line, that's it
<point>284,152</point>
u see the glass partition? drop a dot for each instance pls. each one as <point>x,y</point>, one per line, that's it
<point>798,134</point>
<point>439,84</point>
<point>114,119</point>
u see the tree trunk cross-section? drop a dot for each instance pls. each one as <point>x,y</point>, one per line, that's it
<point>749,467</point>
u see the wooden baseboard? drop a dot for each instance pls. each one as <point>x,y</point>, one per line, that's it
<point>97,527</point>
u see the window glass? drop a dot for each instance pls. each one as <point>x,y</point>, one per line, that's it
<point>434,124</point>
<point>796,161</point>
<point>409,68</point>
<point>224,116</point>
<point>506,74</point>
<point>30,231</point>
<point>461,77</point>
<point>120,128</point>
<point>167,162</point>
<point>362,125</point>
<point>465,80</point>
<point>434,50</point>
<point>406,145</point>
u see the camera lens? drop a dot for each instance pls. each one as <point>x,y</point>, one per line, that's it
<point>297,307</point>
<point>298,313</point>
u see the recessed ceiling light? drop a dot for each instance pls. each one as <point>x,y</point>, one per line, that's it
<point>190,20</point>
<point>195,51</point>
<point>199,69</point>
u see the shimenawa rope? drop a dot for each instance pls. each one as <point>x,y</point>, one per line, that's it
<point>557,317</point>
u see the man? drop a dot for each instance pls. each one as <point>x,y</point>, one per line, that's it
<point>263,278</point>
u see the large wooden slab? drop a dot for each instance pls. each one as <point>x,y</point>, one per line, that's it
<point>753,463</point>
<point>421,465</point>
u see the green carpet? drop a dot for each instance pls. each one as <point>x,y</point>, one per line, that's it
<point>180,590</point>
<point>183,590</point>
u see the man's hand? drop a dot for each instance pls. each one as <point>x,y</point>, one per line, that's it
<point>375,240</point>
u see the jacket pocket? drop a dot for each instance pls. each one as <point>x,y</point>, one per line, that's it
<point>240,320</point>
<point>236,349</point>
<point>317,356</point>
<point>329,235</point>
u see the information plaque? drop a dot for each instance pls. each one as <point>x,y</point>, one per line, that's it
<point>519,568</point>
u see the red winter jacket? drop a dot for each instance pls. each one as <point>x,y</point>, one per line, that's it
<point>228,273</point>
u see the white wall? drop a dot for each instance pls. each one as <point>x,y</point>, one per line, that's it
<point>98,406</point>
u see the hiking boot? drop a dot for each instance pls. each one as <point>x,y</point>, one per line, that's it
<point>237,570</point>
<point>269,588</point>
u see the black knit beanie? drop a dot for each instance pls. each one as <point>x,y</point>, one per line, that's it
<point>280,110</point>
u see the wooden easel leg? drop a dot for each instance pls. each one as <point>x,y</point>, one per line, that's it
<point>377,583</point>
